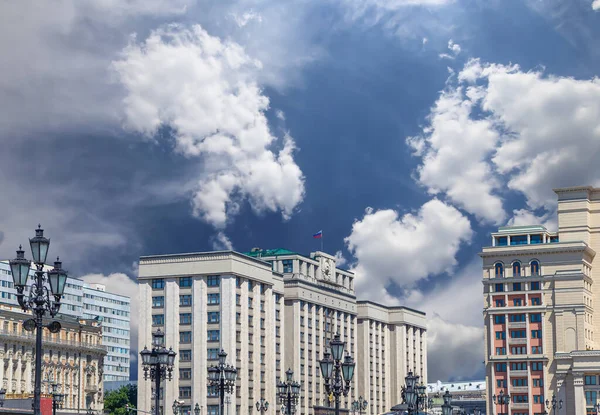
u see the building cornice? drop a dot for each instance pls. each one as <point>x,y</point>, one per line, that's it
<point>390,308</point>
<point>200,256</point>
<point>537,249</point>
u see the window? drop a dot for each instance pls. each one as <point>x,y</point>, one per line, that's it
<point>538,382</point>
<point>238,299</point>
<point>501,335</point>
<point>213,317</point>
<point>185,318</point>
<point>185,300</point>
<point>516,286</point>
<point>185,282</point>
<point>518,240</point>
<point>518,350</point>
<point>537,366</point>
<point>213,335</point>
<point>499,288</point>
<point>213,298</point>
<point>520,398</point>
<point>535,268</point>
<point>238,282</point>
<point>535,300</point>
<point>518,366</point>
<point>213,281</point>
<point>158,319</point>
<point>185,337</point>
<point>499,270</point>
<point>535,318</point>
<point>213,354</point>
<point>536,334</point>
<point>517,302</point>
<point>590,397</point>
<point>535,285</point>
<point>185,391</point>
<point>501,383</point>
<point>249,302</point>
<point>500,303</point>
<point>185,374</point>
<point>518,334</point>
<point>500,367</point>
<point>590,380</point>
<point>553,239</point>
<point>500,350</point>
<point>519,382</point>
<point>158,284</point>
<point>287,265</point>
<point>516,269</point>
<point>499,319</point>
<point>536,349</point>
<point>535,239</point>
<point>501,241</point>
<point>158,302</point>
<point>185,355</point>
<point>516,318</point>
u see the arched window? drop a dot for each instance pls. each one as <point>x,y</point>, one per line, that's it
<point>516,269</point>
<point>499,268</point>
<point>535,268</point>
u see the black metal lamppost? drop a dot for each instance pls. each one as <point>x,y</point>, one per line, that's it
<point>360,405</point>
<point>262,405</point>
<point>222,378</point>
<point>337,373</point>
<point>502,399</point>
<point>158,364</point>
<point>38,300</point>
<point>554,404</point>
<point>596,408</point>
<point>288,392</point>
<point>57,398</point>
<point>2,396</point>
<point>177,407</point>
<point>423,403</point>
<point>447,405</point>
<point>414,395</point>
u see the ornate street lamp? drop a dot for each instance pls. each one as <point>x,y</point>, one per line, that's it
<point>289,392</point>
<point>414,395</point>
<point>197,409</point>
<point>2,396</point>
<point>57,398</point>
<point>502,399</point>
<point>447,405</point>
<point>158,364</point>
<point>554,403</point>
<point>177,407</point>
<point>262,405</point>
<point>337,373</point>
<point>222,377</point>
<point>359,405</point>
<point>38,300</point>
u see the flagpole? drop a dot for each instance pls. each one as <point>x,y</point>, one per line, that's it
<point>321,241</point>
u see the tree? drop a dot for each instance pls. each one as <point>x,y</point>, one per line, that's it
<point>116,400</point>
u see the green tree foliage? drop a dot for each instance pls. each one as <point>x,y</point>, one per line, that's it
<point>116,400</point>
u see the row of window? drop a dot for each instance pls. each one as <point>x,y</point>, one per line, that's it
<point>535,366</point>
<point>534,269</point>
<point>517,286</point>
<point>537,382</point>
<point>501,351</point>
<point>532,239</point>
<point>212,336</point>
<point>533,317</point>
<point>518,302</point>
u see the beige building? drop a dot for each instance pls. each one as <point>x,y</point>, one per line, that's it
<point>539,298</point>
<point>391,342</point>
<point>73,358</point>
<point>269,310</point>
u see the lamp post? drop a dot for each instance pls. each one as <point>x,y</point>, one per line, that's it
<point>197,409</point>
<point>57,398</point>
<point>38,300</point>
<point>447,405</point>
<point>177,407</point>
<point>288,392</point>
<point>502,399</point>
<point>414,395</point>
<point>554,403</point>
<point>337,373</point>
<point>222,377</point>
<point>596,408</point>
<point>2,396</point>
<point>158,364</point>
<point>262,405</point>
<point>422,401</point>
<point>359,405</point>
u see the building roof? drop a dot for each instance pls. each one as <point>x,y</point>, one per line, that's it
<point>463,386</point>
<point>258,253</point>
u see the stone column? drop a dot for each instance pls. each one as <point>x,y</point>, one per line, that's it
<point>579,393</point>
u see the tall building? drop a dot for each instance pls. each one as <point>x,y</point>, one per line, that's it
<point>270,310</point>
<point>73,358</point>
<point>89,301</point>
<point>540,324</point>
<point>391,342</point>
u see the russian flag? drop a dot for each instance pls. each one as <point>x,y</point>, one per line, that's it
<point>318,235</point>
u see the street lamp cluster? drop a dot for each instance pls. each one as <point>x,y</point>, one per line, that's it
<point>158,364</point>
<point>289,392</point>
<point>38,300</point>
<point>337,373</point>
<point>502,399</point>
<point>57,398</point>
<point>222,379</point>
<point>359,405</point>
<point>415,395</point>
<point>554,404</point>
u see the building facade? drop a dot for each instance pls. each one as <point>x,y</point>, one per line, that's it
<point>270,310</point>
<point>539,296</point>
<point>392,341</point>
<point>90,301</point>
<point>73,358</point>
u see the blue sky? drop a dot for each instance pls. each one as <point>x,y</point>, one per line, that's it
<point>406,130</point>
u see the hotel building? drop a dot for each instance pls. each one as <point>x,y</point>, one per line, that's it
<point>73,358</point>
<point>269,310</point>
<point>89,301</point>
<point>539,297</point>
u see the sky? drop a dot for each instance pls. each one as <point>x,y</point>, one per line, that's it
<point>405,130</point>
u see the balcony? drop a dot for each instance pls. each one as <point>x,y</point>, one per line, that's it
<point>518,373</point>
<point>519,405</point>
<point>70,344</point>
<point>520,340</point>
<point>517,324</point>
<point>519,389</point>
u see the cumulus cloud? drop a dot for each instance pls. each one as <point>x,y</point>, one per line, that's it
<point>340,261</point>
<point>454,49</point>
<point>205,90</point>
<point>596,5</point>
<point>497,127</point>
<point>402,250</point>
<point>220,242</point>
<point>523,217</point>
<point>246,17</point>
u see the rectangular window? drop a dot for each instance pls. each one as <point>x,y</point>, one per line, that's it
<point>185,355</point>
<point>501,241</point>
<point>238,300</point>
<point>536,334</point>
<point>499,303</point>
<point>500,367</point>
<point>185,337</point>
<point>535,285</point>
<point>185,318</point>
<point>499,288</point>
<point>185,374</point>
<point>590,380</point>
<point>263,288</point>
<point>518,366</point>
<point>535,239</point>
<point>185,392</point>
<point>501,383</point>
<point>538,382</point>
<point>158,302</point>
<point>238,282</point>
<point>213,335</point>
<point>213,298</point>
<point>213,281</point>
<point>213,354</point>
<point>516,286</point>
<point>591,397</point>
<point>535,318</point>
<point>501,335</point>
<point>537,366</point>
<point>536,349</point>
<point>518,240</point>
<point>158,319</point>
<point>185,300</point>
<point>499,319</point>
<point>249,302</point>
<point>158,284</point>
<point>513,318</point>
<point>213,316</point>
<point>185,282</point>
<point>287,265</point>
<point>500,351</point>
<point>517,302</point>
<point>518,334</point>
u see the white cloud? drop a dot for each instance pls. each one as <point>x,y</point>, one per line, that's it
<point>425,40</point>
<point>280,114</point>
<point>246,17</point>
<point>120,283</point>
<point>596,5</point>
<point>340,261</point>
<point>403,250</point>
<point>220,242</point>
<point>205,89</point>
<point>454,49</point>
